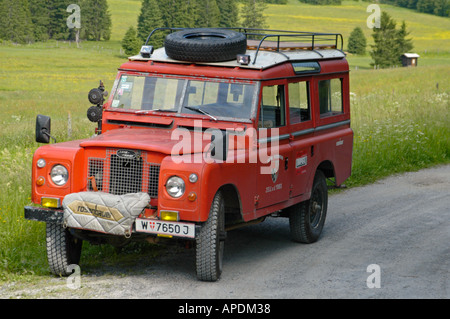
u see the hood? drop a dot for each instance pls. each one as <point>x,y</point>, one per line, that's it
<point>178,142</point>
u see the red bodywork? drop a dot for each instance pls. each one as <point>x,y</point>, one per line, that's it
<point>320,142</point>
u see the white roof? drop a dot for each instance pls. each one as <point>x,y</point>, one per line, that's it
<point>264,59</point>
<point>411,55</point>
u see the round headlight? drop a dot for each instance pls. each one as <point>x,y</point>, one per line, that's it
<point>59,175</point>
<point>175,186</point>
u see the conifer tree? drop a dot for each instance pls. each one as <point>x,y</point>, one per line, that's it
<point>229,13</point>
<point>15,21</point>
<point>131,43</point>
<point>357,42</point>
<point>95,20</point>
<point>426,6</point>
<point>178,13</point>
<point>442,8</point>
<point>384,41</point>
<point>149,19</point>
<point>252,14</point>
<point>40,19</point>
<point>404,45</point>
<point>389,43</point>
<point>208,14</point>
<point>57,19</point>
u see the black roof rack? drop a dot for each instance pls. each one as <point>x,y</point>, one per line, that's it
<point>279,40</point>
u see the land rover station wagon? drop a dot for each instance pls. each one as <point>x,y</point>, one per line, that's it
<point>217,129</point>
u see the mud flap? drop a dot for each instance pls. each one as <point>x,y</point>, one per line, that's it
<point>103,212</point>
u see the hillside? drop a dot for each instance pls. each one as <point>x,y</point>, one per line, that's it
<point>431,34</point>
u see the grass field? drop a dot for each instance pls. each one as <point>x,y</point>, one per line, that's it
<point>401,117</point>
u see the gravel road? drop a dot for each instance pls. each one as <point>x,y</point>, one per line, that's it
<point>385,240</point>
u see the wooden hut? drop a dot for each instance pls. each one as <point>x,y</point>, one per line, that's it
<point>410,59</point>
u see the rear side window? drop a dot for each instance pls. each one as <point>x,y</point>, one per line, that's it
<point>299,106</point>
<point>330,97</point>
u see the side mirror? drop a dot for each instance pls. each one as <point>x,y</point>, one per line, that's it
<point>43,126</point>
<point>219,145</point>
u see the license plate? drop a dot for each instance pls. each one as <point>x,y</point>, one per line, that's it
<point>161,227</point>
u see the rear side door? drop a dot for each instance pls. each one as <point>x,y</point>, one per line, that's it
<point>302,133</point>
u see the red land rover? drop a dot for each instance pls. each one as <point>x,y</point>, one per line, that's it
<point>218,129</point>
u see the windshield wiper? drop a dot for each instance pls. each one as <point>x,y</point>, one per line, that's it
<point>156,110</point>
<point>163,110</point>
<point>199,110</point>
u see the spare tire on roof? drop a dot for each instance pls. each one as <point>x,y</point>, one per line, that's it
<point>205,45</point>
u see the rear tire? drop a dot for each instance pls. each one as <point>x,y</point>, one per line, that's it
<point>306,219</point>
<point>62,249</point>
<point>211,242</point>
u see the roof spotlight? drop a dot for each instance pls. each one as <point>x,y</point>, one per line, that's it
<point>146,51</point>
<point>243,59</point>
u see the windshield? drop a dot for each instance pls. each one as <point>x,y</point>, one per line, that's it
<point>182,95</point>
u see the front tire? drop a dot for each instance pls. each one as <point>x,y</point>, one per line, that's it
<point>62,249</point>
<point>211,242</point>
<point>306,219</point>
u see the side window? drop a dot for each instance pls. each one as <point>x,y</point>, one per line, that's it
<point>330,97</point>
<point>272,112</point>
<point>299,106</point>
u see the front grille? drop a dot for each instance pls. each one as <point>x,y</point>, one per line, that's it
<point>125,175</point>
<point>123,172</point>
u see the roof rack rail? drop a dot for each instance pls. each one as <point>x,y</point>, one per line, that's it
<point>279,40</point>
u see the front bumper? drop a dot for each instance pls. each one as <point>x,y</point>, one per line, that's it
<point>44,214</point>
<point>48,215</point>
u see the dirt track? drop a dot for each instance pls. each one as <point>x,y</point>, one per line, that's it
<point>398,227</point>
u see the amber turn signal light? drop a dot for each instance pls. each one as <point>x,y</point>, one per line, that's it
<point>192,196</point>
<point>40,181</point>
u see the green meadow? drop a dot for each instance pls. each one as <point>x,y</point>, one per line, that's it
<point>400,116</point>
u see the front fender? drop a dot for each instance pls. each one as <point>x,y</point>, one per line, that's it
<point>69,154</point>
